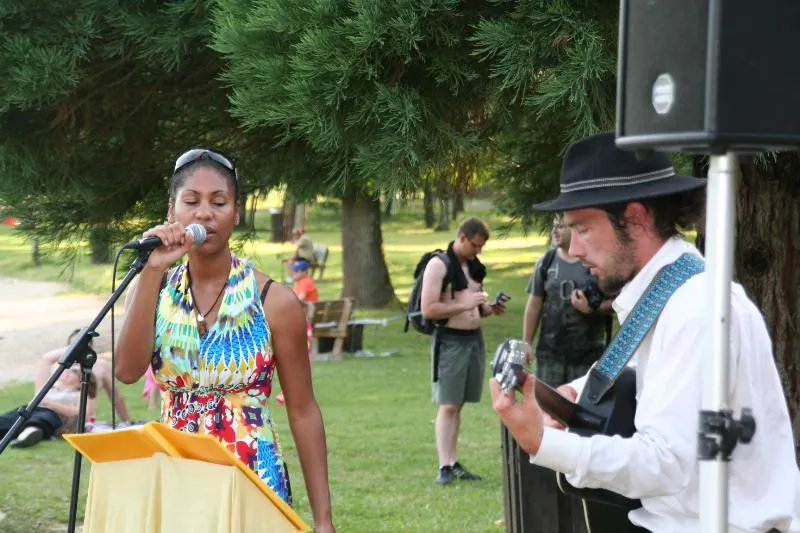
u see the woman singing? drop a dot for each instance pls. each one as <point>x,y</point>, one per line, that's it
<point>214,329</point>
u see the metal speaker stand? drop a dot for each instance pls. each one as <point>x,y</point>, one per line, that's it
<point>719,432</point>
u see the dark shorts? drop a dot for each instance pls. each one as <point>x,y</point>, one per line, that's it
<point>459,361</point>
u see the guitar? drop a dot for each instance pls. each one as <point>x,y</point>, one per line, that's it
<point>604,510</point>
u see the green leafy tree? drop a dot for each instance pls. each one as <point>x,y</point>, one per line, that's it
<point>97,97</point>
<point>378,90</point>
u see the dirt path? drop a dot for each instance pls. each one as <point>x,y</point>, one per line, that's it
<point>37,316</point>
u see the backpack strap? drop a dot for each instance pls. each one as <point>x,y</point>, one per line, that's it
<point>446,280</point>
<point>547,262</point>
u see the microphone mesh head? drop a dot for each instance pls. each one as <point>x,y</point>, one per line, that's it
<point>198,233</point>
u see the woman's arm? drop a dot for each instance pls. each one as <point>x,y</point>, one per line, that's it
<point>287,323</point>
<point>137,336</point>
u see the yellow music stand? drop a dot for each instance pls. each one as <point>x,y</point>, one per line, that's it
<point>155,479</point>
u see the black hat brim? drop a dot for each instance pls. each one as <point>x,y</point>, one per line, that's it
<point>614,195</point>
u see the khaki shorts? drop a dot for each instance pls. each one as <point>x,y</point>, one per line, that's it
<point>459,361</point>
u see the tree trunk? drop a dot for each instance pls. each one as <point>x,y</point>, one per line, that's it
<point>243,218</point>
<point>35,251</point>
<point>458,203</point>
<point>366,277</point>
<point>100,245</point>
<point>427,202</point>
<point>251,212</point>
<point>300,216</point>
<point>444,215</point>
<point>767,257</point>
<point>289,208</point>
<point>387,209</point>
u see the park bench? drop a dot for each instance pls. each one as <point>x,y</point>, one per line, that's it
<point>329,319</point>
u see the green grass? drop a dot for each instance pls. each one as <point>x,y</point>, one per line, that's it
<point>378,414</point>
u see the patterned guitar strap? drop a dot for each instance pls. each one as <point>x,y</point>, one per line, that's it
<point>644,314</point>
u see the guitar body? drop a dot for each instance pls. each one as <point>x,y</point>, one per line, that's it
<point>606,511</point>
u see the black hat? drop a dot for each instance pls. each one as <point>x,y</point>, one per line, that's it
<point>595,172</point>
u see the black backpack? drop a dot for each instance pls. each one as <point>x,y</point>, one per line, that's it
<point>414,312</point>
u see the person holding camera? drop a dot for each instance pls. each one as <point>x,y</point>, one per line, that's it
<point>453,295</point>
<point>566,306</point>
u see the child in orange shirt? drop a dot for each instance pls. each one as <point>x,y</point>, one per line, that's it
<point>304,286</point>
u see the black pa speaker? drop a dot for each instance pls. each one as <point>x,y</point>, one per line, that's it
<point>709,76</point>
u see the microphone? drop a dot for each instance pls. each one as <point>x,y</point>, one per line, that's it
<point>151,243</point>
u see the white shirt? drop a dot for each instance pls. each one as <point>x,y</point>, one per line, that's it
<point>659,462</point>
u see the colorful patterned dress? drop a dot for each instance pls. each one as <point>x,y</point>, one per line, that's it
<point>220,384</point>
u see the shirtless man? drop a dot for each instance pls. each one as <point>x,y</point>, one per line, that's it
<point>452,292</point>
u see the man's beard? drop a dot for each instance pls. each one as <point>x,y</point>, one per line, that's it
<point>623,259</point>
<point>611,286</point>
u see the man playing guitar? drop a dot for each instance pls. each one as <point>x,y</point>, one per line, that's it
<point>625,213</point>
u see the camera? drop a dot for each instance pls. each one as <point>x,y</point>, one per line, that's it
<point>501,298</point>
<point>594,296</point>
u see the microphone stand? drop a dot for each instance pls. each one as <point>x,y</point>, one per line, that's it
<point>78,352</point>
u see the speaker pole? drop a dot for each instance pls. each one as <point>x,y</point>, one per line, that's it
<point>718,431</point>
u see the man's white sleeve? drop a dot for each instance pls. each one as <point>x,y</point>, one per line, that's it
<point>661,456</point>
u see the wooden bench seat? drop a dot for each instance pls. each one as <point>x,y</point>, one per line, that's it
<point>329,319</point>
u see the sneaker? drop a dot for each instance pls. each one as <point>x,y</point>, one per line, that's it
<point>446,475</point>
<point>462,473</point>
<point>28,437</point>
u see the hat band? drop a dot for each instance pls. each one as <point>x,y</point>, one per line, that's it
<point>618,181</point>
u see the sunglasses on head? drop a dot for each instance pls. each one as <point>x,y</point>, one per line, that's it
<point>197,154</point>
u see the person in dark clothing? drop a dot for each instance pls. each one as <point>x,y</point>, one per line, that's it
<point>58,411</point>
<point>571,331</point>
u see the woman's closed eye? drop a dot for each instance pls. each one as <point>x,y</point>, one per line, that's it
<point>195,202</point>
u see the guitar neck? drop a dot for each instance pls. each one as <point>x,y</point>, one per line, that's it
<point>568,413</point>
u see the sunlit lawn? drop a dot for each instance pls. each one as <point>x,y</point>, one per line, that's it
<point>377,410</point>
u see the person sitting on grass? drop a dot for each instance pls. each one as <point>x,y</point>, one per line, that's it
<point>101,371</point>
<point>58,411</point>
